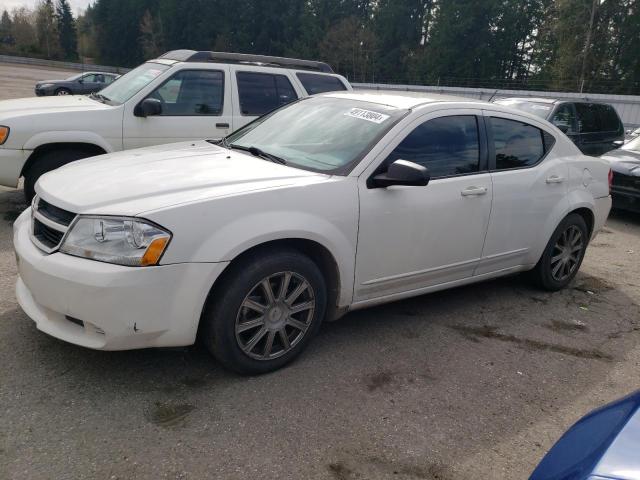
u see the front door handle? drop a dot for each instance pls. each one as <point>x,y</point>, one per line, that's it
<point>555,179</point>
<point>469,191</point>
<point>222,125</point>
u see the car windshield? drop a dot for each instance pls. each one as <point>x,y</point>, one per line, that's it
<point>633,145</point>
<point>325,134</point>
<point>126,86</point>
<point>75,77</point>
<point>542,110</point>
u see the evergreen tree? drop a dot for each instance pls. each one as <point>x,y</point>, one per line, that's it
<point>67,34</point>
<point>47,29</point>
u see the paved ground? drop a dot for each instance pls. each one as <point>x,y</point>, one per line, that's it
<point>19,80</point>
<point>476,382</point>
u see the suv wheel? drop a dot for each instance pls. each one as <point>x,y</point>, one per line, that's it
<point>563,255</point>
<point>45,163</point>
<point>270,307</point>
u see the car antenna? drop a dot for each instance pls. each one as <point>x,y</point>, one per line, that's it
<point>494,94</point>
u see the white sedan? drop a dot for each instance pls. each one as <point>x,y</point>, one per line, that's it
<point>330,204</point>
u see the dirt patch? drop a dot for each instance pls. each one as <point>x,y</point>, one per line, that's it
<point>590,284</point>
<point>379,380</point>
<point>340,471</point>
<point>560,326</point>
<point>169,415</point>
<point>474,333</point>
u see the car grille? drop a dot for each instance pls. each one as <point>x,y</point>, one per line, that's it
<point>49,226</point>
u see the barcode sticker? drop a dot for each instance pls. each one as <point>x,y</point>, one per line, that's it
<point>367,115</point>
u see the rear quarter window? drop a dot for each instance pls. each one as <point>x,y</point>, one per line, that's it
<point>314,83</point>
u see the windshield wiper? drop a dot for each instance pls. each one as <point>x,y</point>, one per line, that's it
<point>256,152</point>
<point>99,97</point>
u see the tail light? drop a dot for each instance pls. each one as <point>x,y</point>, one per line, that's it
<point>610,180</point>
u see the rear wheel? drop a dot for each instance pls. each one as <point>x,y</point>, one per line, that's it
<point>563,255</point>
<point>266,311</point>
<point>50,161</point>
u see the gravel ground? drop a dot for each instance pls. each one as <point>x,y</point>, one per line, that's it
<point>474,382</point>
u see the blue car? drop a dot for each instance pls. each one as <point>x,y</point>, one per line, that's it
<point>604,445</point>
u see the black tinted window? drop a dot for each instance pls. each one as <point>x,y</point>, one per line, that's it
<point>314,83</point>
<point>192,92</point>
<point>587,118</point>
<point>608,118</point>
<point>262,92</point>
<point>564,117</point>
<point>517,144</point>
<point>446,146</point>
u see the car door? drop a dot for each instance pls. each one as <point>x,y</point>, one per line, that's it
<point>413,237</point>
<point>196,104</point>
<point>87,84</point>
<point>258,93</point>
<point>529,191</point>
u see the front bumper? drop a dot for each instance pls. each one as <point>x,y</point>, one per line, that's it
<point>110,307</point>
<point>11,163</point>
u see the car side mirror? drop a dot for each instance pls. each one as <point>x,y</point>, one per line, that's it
<point>80,80</point>
<point>402,172</point>
<point>148,107</point>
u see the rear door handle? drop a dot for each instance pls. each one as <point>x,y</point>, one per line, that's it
<point>469,191</point>
<point>222,125</point>
<point>555,179</point>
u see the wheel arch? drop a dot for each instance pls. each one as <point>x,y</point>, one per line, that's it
<point>91,148</point>
<point>317,252</point>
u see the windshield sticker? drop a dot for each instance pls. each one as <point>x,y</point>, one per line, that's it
<point>367,115</point>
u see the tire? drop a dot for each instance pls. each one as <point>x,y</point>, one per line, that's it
<point>560,260</point>
<point>62,91</point>
<point>45,163</point>
<point>230,328</point>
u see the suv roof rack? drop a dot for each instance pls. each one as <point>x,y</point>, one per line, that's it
<point>246,59</point>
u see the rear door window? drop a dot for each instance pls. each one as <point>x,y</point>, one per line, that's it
<point>518,144</point>
<point>587,118</point>
<point>260,93</point>
<point>608,118</point>
<point>565,117</point>
<point>314,83</point>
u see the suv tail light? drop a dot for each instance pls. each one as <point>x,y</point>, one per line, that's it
<point>610,180</point>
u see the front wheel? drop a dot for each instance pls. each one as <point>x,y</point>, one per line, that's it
<point>563,255</point>
<point>62,91</point>
<point>265,311</point>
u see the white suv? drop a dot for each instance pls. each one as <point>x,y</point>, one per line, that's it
<point>183,95</point>
<point>332,203</point>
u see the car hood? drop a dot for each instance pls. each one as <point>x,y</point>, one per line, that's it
<point>42,82</point>
<point>39,105</point>
<point>622,161</point>
<point>136,181</point>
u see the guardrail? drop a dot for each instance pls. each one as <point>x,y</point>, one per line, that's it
<point>40,62</point>
<point>627,106</point>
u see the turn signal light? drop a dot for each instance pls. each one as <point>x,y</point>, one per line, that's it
<point>4,134</point>
<point>154,252</point>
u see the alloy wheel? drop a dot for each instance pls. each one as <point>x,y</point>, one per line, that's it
<point>567,253</point>
<point>275,315</point>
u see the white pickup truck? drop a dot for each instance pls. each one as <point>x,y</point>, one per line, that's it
<point>182,95</point>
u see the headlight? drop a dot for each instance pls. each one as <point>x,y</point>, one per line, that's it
<point>123,241</point>
<point>46,85</point>
<point>4,134</point>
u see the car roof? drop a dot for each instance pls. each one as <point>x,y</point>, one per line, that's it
<point>530,99</point>
<point>400,99</point>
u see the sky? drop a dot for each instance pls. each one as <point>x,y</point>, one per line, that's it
<point>76,5</point>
